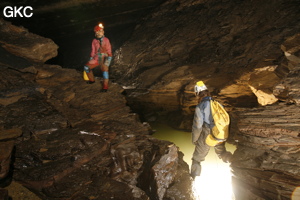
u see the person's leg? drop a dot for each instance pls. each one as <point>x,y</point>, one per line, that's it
<point>222,153</point>
<point>220,149</point>
<point>105,74</point>
<point>89,72</point>
<point>200,152</point>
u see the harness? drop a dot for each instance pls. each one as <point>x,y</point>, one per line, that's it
<point>101,56</point>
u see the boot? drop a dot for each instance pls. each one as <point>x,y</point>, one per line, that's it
<point>227,157</point>
<point>91,77</point>
<point>195,169</point>
<point>105,85</point>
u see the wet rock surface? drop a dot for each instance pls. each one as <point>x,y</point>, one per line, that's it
<point>72,142</point>
<point>17,40</point>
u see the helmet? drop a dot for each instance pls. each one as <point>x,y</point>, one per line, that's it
<point>199,87</point>
<point>98,27</point>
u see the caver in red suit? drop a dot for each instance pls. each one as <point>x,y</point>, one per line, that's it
<point>101,55</point>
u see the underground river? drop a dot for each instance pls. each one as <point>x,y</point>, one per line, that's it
<point>215,180</point>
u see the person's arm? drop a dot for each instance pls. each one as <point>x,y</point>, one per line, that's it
<point>108,48</point>
<point>108,51</point>
<point>197,125</point>
<point>94,49</point>
<point>206,112</point>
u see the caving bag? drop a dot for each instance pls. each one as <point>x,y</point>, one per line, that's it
<point>221,118</point>
<point>85,77</point>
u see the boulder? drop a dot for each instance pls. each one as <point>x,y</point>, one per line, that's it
<point>20,42</point>
<point>6,149</point>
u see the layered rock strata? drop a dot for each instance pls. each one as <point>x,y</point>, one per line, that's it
<point>267,159</point>
<point>73,142</point>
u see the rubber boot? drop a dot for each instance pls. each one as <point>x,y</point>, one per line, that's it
<point>105,85</point>
<point>195,169</point>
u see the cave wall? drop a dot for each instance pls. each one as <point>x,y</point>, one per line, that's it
<point>219,42</point>
<point>247,53</point>
<point>266,162</point>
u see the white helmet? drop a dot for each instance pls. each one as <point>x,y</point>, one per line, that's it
<point>199,87</point>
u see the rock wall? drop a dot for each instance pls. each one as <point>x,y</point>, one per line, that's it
<point>266,162</point>
<point>247,53</point>
<point>267,159</point>
<point>219,42</point>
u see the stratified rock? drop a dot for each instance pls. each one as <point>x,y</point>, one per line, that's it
<point>7,134</point>
<point>267,160</point>
<point>262,81</point>
<point>291,48</point>
<point>3,194</point>
<point>20,42</point>
<point>219,42</point>
<point>6,149</point>
<point>79,143</point>
<point>138,167</point>
<point>292,85</point>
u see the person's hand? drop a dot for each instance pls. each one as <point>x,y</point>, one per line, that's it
<point>227,157</point>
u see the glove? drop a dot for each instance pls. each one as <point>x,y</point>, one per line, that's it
<point>227,157</point>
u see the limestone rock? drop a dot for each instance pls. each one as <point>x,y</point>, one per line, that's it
<point>222,51</point>
<point>22,43</point>
<point>12,98</point>
<point>266,161</point>
<point>262,82</point>
<point>291,83</point>
<point>10,133</point>
<point>291,48</point>
<point>6,149</point>
<point>73,135</point>
<point>3,194</point>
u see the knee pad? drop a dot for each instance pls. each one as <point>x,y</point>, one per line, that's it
<point>86,69</point>
<point>105,75</point>
<point>107,61</point>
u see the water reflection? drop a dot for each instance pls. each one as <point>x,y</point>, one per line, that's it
<point>215,180</point>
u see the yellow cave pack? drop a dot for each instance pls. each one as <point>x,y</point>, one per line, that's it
<point>221,118</point>
<point>85,77</point>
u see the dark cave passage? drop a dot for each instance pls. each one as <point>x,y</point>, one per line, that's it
<point>72,29</point>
